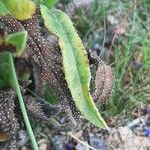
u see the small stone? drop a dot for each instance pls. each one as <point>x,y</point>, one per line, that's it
<point>58,142</point>
<point>137,122</point>
<point>24,148</point>
<point>97,143</point>
<point>22,137</point>
<point>112,19</point>
<point>43,146</point>
<point>42,141</point>
<point>81,146</point>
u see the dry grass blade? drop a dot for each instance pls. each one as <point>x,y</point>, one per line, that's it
<point>83,143</point>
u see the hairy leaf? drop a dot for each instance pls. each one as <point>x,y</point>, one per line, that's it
<point>20,9</point>
<point>3,9</point>
<point>19,39</point>
<point>49,3</point>
<point>2,83</point>
<point>75,62</point>
<point>6,77</point>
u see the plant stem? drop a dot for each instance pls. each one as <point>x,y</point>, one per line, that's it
<point>25,116</point>
<point>104,22</point>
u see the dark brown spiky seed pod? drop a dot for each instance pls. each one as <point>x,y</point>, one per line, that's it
<point>47,61</point>
<point>103,83</point>
<point>8,121</point>
<point>39,109</point>
<point>50,65</point>
<point>34,109</point>
<point>11,24</point>
<point>104,80</point>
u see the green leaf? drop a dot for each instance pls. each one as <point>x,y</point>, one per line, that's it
<point>38,2</point>
<point>6,76</point>
<point>49,3</point>
<point>5,71</point>
<point>75,63</point>
<point>20,9</point>
<point>19,40</point>
<point>50,95</point>
<point>3,9</point>
<point>2,83</point>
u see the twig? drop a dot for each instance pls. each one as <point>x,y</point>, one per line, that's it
<point>83,143</point>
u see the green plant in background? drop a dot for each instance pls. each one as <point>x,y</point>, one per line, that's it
<point>130,58</point>
<point>130,65</point>
<point>75,62</point>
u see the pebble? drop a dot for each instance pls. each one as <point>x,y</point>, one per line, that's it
<point>97,143</point>
<point>22,138</point>
<point>58,142</point>
<point>43,146</point>
<point>81,147</point>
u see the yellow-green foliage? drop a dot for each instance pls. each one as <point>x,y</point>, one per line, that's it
<point>3,9</point>
<point>20,9</point>
<point>18,39</point>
